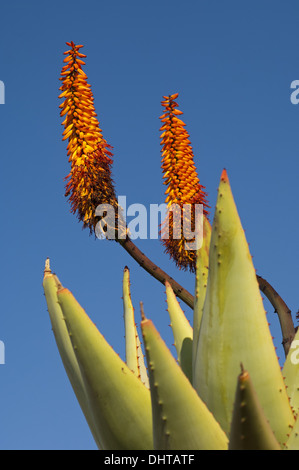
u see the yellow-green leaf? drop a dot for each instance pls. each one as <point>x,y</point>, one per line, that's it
<point>181,421</point>
<point>182,332</point>
<point>234,326</point>
<point>134,354</point>
<point>201,280</point>
<point>50,285</point>
<point>119,401</point>
<point>250,429</point>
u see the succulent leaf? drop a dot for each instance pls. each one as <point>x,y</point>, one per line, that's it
<point>134,354</point>
<point>290,373</point>
<point>250,429</point>
<point>292,442</point>
<point>182,332</point>
<point>201,280</point>
<point>180,419</point>
<point>50,285</point>
<point>234,326</point>
<point>119,401</point>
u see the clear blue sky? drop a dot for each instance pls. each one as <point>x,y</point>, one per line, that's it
<point>232,64</point>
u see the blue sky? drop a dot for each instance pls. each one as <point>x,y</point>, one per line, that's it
<point>232,64</point>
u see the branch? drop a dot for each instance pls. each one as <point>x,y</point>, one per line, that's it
<point>284,313</point>
<point>155,271</point>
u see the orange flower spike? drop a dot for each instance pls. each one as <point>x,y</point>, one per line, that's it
<point>89,182</point>
<point>183,185</point>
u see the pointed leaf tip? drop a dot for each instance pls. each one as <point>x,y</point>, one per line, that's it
<point>250,429</point>
<point>224,176</point>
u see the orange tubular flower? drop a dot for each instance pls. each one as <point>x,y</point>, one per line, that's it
<point>89,181</point>
<point>183,186</point>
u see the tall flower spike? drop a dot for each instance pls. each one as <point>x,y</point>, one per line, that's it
<point>89,182</point>
<point>183,186</point>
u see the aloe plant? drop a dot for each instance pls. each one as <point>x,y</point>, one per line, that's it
<point>224,390</point>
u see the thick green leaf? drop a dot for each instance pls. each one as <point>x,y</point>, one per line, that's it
<point>134,354</point>
<point>234,326</point>
<point>119,401</point>
<point>250,429</point>
<point>182,332</point>
<point>292,441</point>
<point>181,421</point>
<point>201,280</point>
<point>290,373</point>
<point>50,285</point>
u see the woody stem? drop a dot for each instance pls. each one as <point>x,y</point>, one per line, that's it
<point>284,313</point>
<point>155,271</point>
